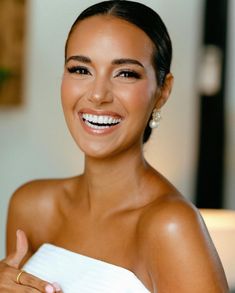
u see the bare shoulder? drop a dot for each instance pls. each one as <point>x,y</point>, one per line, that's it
<point>168,214</point>
<point>168,219</point>
<point>177,250</point>
<point>34,207</point>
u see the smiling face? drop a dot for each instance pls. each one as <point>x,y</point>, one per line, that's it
<point>109,86</point>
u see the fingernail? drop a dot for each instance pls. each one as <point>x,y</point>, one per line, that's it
<point>18,231</point>
<point>49,289</point>
<point>56,286</point>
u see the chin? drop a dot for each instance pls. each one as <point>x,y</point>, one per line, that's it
<point>109,149</point>
<point>98,153</point>
<point>98,150</point>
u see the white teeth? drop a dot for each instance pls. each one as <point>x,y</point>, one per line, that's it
<point>106,120</point>
<point>100,119</point>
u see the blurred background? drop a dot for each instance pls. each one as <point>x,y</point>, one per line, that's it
<point>194,146</point>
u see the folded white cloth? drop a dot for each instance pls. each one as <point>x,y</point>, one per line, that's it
<point>77,273</point>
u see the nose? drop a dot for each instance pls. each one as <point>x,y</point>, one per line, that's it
<point>101,91</point>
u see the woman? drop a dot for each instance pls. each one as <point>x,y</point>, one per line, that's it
<point>120,226</point>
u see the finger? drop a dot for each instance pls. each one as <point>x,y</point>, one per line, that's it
<point>57,287</point>
<point>22,245</point>
<point>36,283</point>
<point>22,289</point>
<point>16,258</point>
<point>53,288</point>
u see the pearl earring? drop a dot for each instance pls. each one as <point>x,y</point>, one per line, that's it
<point>156,117</point>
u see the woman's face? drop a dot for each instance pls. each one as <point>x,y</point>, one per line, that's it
<point>109,86</point>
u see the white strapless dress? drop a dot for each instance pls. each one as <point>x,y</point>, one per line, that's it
<point>77,273</point>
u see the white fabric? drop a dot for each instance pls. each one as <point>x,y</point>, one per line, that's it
<point>77,273</point>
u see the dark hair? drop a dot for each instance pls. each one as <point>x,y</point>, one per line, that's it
<point>147,20</point>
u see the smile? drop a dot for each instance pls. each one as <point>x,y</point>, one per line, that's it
<point>100,121</point>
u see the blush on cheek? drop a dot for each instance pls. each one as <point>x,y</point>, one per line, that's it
<point>70,90</point>
<point>140,97</point>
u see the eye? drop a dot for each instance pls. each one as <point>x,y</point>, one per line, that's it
<point>129,74</point>
<point>78,70</point>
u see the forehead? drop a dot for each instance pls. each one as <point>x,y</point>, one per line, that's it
<point>110,35</point>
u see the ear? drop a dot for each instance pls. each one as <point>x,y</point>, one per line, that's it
<point>165,91</point>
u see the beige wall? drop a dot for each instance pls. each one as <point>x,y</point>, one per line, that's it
<point>34,141</point>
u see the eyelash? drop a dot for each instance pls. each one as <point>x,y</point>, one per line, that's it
<point>81,70</point>
<point>129,74</point>
<point>78,70</point>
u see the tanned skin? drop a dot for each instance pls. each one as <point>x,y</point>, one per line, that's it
<point>120,210</point>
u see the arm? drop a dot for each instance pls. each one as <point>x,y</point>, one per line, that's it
<point>20,213</point>
<point>179,253</point>
<point>34,209</point>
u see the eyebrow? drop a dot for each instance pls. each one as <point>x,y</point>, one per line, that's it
<point>80,58</point>
<point>85,59</point>
<point>126,61</point>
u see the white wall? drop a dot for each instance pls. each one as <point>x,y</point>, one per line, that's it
<point>34,141</point>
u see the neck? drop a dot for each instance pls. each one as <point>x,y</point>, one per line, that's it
<point>115,182</point>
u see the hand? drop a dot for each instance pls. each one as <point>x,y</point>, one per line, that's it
<point>10,268</point>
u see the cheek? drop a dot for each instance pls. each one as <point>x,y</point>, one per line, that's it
<point>138,97</point>
<point>66,91</point>
<point>70,92</point>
